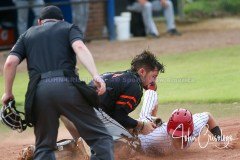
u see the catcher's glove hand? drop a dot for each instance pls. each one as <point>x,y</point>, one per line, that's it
<point>158,121</point>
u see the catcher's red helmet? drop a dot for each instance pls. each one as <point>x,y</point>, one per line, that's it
<point>180,123</point>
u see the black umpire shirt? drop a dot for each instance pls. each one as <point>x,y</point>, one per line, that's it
<point>48,47</point>
<point>124,92</point>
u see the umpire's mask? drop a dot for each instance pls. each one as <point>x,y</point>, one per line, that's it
<point>11,117</point>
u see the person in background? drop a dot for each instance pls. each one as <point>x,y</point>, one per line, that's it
<point>22,13</point>
<point>145,7</point>
<point>80,13</point>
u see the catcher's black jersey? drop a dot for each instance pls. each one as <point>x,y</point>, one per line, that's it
<point>124,92</point>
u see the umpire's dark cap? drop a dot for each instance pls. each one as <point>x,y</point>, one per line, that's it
<point>51,12</point>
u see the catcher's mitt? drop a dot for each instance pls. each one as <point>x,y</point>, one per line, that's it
<point>158,121</point>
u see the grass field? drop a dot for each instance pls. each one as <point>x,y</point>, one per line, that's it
<point>208,76</point>
<point>218,110</point>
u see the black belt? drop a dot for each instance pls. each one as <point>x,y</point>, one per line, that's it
<point>56,73</point>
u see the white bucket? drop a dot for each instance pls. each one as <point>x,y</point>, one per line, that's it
<point>126,14</point>
<point>122,27</point>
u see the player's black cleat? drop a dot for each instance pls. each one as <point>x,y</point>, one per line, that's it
<point>174,32</point>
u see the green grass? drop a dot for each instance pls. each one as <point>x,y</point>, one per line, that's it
<point>231,6</point>
<point>212,8</point>
<point>219,111</point>
<point>201,8</point>
<point>208,76</point>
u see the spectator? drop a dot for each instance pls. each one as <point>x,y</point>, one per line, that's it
<point>80,12</point>
<point>145,7</point>
<point>22,13</point>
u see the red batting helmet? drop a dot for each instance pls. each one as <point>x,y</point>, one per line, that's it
<point>180,123</point>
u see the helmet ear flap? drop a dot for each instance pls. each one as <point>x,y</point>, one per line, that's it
<point>11,117</point>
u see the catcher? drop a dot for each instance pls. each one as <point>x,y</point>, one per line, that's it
<point>123,94</point>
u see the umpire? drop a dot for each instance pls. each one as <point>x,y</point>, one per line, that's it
<point>50,50</point>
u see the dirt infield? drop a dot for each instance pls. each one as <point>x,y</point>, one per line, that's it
<point>12,144</point>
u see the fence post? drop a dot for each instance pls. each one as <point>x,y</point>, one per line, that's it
<point>110,20</point>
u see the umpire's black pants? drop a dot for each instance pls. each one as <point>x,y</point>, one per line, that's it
<point>53,98</point>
